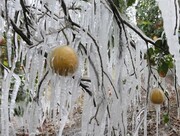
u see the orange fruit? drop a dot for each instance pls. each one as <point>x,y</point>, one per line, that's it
<point>64,60</point>
<point>162,74</point>
<point>157,96</point>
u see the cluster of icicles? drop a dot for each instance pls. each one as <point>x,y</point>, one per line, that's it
<point>116,71</point>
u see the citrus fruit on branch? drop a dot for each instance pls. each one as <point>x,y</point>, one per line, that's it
<point>64,60</point>
<point>157,96</point>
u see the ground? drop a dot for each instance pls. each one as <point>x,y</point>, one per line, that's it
<point>72,128</point>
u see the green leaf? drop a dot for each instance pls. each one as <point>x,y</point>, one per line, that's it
<point>5,63</point>
<point>130,2</point>
<point>169,60</point>
<point>144,23</point>
<point>158,45</point>
<point>163,67</point>
<point>166,118</point>
<point>150,52</point>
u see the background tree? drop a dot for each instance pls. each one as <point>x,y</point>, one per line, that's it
<point>149,18</point>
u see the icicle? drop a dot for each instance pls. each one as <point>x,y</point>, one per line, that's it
<point>145,121</point>
<point>14,93</point>
<point>9,45</point>
<point>41,66</point>
<point>11,12</point>
<point>33,115</point>
<point>11,9</point>
<point>2,22</point>
<point>17,45</point>
<point>4,103</point>
<point>28,58</point>
<point>33,75</point>
<point>88,110</point>
<point>138,127</point>
<point>157,107</point>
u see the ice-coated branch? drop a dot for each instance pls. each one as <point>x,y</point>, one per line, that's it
<point>120,20</point>
<point>96,44</point>
<point>25,17</point>
<point>44,13</point>
<point>134,69</point>
<point>85,88</point>
<point>20,32</point>
<point>91,62</point>
<point>149,75</point>
<point>64,7</point>
<point>176,11</point>
<point>95,116</point>
<point>65,37</point>
<point>111,84</point>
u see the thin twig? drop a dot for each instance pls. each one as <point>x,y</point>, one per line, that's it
<point>39,86</point>
<point>85,87</point>
<point>175,86</point>
<point>94,68</point>
<point>43,12</point>
<point>111,84</point>
<point>132,62</point>
<point>108,111</point>
<point>65,37</point>
<point>95,116</point>
<point>64,7</point>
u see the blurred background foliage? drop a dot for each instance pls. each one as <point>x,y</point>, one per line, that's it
<point>148,16</point>
<point>149,20</point>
